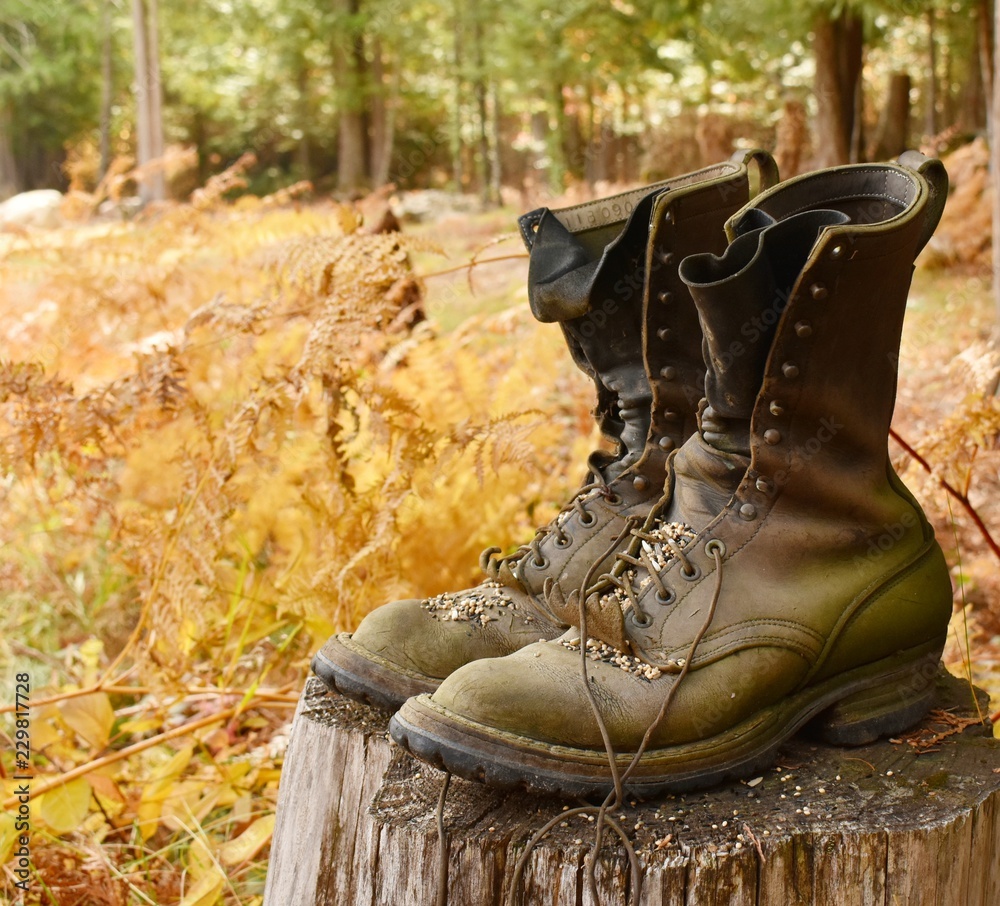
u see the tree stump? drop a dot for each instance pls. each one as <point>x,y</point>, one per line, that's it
<point>913,822</point>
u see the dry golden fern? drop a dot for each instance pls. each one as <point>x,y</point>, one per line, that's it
<point>233,177</point>
<point>954,446</point>
<point>236,445</point>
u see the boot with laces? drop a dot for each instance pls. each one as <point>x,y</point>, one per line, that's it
<point>606,271</point>
<point>787,577</point>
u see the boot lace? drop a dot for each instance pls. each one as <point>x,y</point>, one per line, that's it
<point>491,564</point>
<point>655,549</point>
<point>614,800</point>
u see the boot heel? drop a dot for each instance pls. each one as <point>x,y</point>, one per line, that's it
<point>895,703</point>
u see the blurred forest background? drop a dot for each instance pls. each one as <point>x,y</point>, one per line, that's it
<point>267,360</point>
<point>477,97</point>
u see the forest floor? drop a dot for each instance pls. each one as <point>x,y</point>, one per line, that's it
<point>221,454</point>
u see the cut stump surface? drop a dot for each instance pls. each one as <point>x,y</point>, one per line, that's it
<point>913,822</point>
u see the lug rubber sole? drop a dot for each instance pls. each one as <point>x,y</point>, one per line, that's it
<point>365,677</point>
<point>855,708</point>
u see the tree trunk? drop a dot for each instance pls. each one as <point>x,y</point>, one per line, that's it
<point>946,112</point>
<point>482,113</point>
<point>852,86</point>
<point>838,45</point>
<point>159,179</point>
<point>496,164</point>
<point>791,138</point>
<point>984,35</point>
<point>350,71</point>
<point>995,172</point>
<point>383,110</point>
<point>383,174</point>
<point>557,141</point>
<point>107,86</point>
<point>149,99</point>
<point>930,83</point>
<point>914,821</point>
<point>10,182</point>
<point>893,132</point>
<point>458,62</point>
<point>970,112</point>
<point>303,158</point>
<point>592,150</point>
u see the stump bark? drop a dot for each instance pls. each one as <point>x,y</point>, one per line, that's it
<point>913,821</point>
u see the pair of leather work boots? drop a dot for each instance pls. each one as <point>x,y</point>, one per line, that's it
<point>747,562</point>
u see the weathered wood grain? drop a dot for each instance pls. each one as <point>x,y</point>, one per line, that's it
<point>877,825</point>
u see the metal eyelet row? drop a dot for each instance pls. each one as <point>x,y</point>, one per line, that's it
<point>712,546</point>
<point>790,370</point>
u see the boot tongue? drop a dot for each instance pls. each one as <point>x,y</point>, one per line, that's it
<point>740,298</point>
<point>560,273</point>
<point>577,280</point>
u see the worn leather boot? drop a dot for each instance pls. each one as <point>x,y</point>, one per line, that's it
<point>606,271</point>
<point>787,577</point>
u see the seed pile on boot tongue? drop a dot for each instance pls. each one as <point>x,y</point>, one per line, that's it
<point>471,606</point>
<point>659,554</point>
<point>601,651</point>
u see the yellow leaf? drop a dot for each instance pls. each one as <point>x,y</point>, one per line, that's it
<point>159,790</point>
<point>176,766</point>
<point>64,808</point>
<point>205,891</point>
<point>47,727</point>
<point>90,716</point>
<point>235,770</point>
<point>106,792</point>
<point>141,725</point>
<point>199,860</point>
<point>180,802</point>
<point>249,843</point>
<point>90,653</point>
<point>8,835</point>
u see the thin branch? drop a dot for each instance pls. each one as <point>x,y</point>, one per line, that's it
<point>960,497</point>
<point>91,766</point>
<point>266,695</point>
<point>110,688</point>
<point>469,265</point>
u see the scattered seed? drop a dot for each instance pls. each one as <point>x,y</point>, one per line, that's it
<point>469,606</point>
<point>613,657</point>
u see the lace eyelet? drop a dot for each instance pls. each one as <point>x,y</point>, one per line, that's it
<point>715,545</point>
<point>692,576</point>
<point>612,499</point>
<point>587,520</point>
<point>540,564</point>
<point>666,599</point>
<point>643,623</point>
<point>564,541</point>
